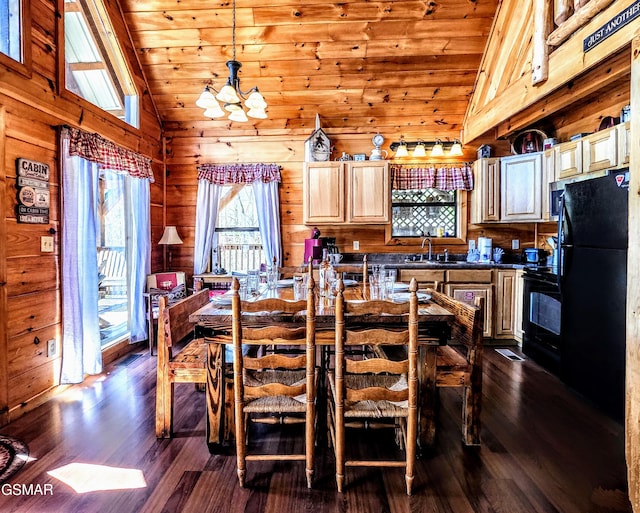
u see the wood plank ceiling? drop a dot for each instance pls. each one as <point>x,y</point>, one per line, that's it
<point>397,66</point>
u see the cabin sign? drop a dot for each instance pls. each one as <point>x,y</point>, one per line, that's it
<point>33,192</point>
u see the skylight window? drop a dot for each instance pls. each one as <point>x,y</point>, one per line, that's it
<point>10,33</point>
<point>96,69</point>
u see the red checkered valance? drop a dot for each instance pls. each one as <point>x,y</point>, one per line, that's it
<point>108,155</point>
<point>222,174</point>
<point>445,177</point>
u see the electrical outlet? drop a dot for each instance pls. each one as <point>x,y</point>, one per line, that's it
<point>46,244</point>
<point>515,244</point>
<point>472,244</point>
<point>52,347</point>
<point>356,245</point>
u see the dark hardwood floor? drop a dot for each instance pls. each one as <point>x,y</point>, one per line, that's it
<point>543,450</point>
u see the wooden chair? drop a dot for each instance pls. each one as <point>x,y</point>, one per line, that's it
<point>462,369</point>
<point>186,366</point>
<point>170,284</point>
<point>377,388</point>
<point>275,384</point>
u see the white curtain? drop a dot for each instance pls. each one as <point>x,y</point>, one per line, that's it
<point>206,217</point>
<point>81,344</point>
<point>268,210</point>
<point>81,349</point>
<point>138,254</point>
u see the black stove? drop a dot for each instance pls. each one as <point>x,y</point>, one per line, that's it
<point>541,324</point>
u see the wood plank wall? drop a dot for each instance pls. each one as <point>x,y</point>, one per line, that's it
<point>30,113</point>
<point>185,150</point>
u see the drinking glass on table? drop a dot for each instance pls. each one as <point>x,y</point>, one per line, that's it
<point>253,280</point>
<point>272,277</point>
<point>299,288</point>
<point>390,281</point>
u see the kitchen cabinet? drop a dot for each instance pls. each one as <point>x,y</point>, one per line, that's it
<point>600,150</point>
<point>568,159</point>
<point>368,192</point>
<point>505,320</point>
<point>624,143</point>
<point>549,175</point>
<point>347,192</point>
<point>521,188</point>
<point>509,189</point>
<point>324,193</point>
<point>467,284</point>
<point>426,278</point>
<point>485,199</point>
<point>518,304</point>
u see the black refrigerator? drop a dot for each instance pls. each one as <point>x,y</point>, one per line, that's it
<point>593,284</point>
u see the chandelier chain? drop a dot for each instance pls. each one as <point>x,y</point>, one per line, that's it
<point>233,33</point>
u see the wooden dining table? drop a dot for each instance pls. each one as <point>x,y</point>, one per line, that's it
<point>214,321</point>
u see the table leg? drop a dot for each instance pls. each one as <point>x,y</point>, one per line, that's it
<point>215,397</point>
<point>427,377</point>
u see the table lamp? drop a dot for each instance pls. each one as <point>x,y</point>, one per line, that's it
<point>169,238</point>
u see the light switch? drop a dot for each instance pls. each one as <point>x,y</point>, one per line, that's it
<point>46,244</point>
<point>515,244</point>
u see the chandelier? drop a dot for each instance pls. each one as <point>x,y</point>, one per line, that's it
<point>230,95</point>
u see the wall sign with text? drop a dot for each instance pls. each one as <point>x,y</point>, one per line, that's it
<point>33,192</point>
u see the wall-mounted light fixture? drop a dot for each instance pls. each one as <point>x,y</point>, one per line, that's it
<point>420,148</point>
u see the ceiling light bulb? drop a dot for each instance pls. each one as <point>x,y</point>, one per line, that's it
<point>401,151</point>
<point>232,107</point>
<point>214,112</point>
<point>228,94</point>
<point>419,150</point>
<point>206,99</point>
<point>256,101</point>
<point>257,113</point>
<point>456,149</point>
<point>437,150</point>
<point>238,115</point>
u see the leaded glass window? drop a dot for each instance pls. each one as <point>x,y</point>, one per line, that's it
<point>423,212</point>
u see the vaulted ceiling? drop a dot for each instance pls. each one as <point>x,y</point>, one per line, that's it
<point>396,66</point>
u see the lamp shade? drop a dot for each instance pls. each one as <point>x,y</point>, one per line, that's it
<point>438,149</point>
<point>419,150</point>
<point>170,236</point>
<point>456,149</point>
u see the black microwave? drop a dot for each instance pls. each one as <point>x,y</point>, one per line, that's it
<point>556,190</point>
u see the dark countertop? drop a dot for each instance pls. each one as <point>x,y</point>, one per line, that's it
<point>406,261</point>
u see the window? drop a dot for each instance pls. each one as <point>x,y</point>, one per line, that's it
<point>15,30</point>
<point>10,17</point>
<point>424,212</point>
<point>239,242</point>
<point>111,242</point>
<point>95,67</point>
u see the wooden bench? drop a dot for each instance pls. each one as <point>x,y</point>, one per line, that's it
<point>189,365</point>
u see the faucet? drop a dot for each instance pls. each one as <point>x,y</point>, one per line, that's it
<point>446,255</point>
<point>426,239</point>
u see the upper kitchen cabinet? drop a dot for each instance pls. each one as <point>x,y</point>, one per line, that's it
<point>509,189</point>
<point>356,192</point>
<point>368,192</point>
<point>324,192</point>
<point>485,199</point>
<point>521,188</point>
<point>623,144</point>
<point>600,150</point>
<point>568,159</point>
